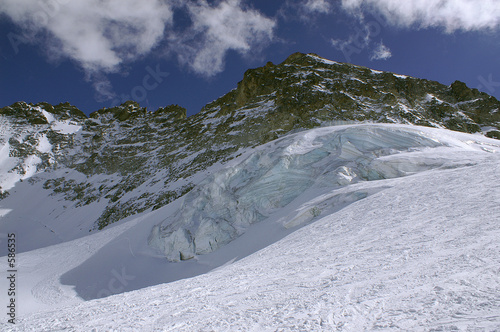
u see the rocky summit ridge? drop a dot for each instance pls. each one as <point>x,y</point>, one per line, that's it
<point>123,160</point>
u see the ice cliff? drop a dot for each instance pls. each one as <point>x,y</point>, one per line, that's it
<point>265,179</point>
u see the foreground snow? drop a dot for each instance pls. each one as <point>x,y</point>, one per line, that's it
<point>419,252</point>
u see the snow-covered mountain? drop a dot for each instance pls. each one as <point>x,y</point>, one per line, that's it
<point>94,171</point>
<point>356,227</point>
<point>257,213</point>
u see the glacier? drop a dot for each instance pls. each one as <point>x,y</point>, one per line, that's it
<point>266,179</point>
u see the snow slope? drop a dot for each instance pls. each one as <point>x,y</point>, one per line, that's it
<point>418,250</point>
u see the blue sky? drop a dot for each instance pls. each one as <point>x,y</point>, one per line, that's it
<point>97,54</point>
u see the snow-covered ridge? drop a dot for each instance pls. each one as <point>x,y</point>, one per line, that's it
<point>16,165</point>
<point>224,205</point>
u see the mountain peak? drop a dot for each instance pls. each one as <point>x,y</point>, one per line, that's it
<point>125,111</point>
<point>34,113</point>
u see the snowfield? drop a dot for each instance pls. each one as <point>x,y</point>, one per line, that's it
<point>348,228</point>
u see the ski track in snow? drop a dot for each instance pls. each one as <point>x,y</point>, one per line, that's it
<point>422,253</point>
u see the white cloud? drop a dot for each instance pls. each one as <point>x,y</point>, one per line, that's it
<point>103,88</point>
<point>216,30</point>
<point>99,35</point>
<point>305,11</point>
<point>102,35</point>
<point>358,41</point>
<point>466,15</point>
<point>381,52</point>
<point>318,6</point>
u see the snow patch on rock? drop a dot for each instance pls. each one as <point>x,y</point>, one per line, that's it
<point>44,145</point>
<point>66,127</point>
